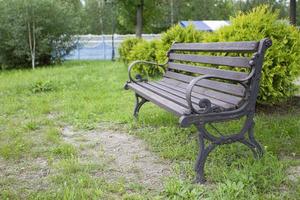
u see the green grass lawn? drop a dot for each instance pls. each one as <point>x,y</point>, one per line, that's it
<point>36,105</point>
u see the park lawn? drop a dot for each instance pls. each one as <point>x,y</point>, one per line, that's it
<point>37,105</point>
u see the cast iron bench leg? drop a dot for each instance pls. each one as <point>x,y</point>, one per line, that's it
<point>202,155</point>
<point>258,147</point>
<point>215,141</point>
<point>139,101</point>
<point>251,141</point>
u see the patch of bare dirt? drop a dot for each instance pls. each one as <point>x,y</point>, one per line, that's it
<point>25,174</point>
<point>52,115</point>
<point>293,173</point>
<point>124,155</point>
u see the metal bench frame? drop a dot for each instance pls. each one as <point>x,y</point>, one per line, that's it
<point>206,116</point>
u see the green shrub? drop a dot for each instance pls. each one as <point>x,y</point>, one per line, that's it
<point>177,34</point>
<point>43,86</point>
<point>282,60</point>
<point>126,46</point>
<point>145,50</point>
<point>156,50</point>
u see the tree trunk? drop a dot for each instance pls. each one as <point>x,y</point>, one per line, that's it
<point>31,41</point>
<point>172,12</point>
<point>34,42</point>
<point>139,19</point>
<point>293,12</point>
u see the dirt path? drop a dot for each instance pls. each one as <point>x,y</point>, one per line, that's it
<point>125,156</point>
<point>24,175</point>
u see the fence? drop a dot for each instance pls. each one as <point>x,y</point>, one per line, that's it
<point>100,47</point>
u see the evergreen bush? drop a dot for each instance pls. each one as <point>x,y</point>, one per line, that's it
<point>126,47</point>
<point>146,50</point>
<point>282,61</point>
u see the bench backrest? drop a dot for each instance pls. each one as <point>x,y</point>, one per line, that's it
<point>220,59</point>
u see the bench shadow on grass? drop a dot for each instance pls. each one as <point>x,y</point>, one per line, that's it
<point>290,106</point>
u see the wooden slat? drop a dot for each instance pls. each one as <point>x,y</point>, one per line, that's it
<point>174,84</point>
<point>177,99</point>
<point>217,46</point>
<point>195,96</point>
<point>158,100</point>
<point>231,75</point>
<point>216,60</point>
<point>229,88</point>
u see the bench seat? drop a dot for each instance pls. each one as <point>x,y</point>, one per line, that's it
<point>170,95</point>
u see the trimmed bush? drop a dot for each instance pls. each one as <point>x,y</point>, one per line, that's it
<point>174,34</point>
<point>282,61</point>
<point>177,34</point>
<point>146,50</point>
<point>126,46</point>
<point>156,50</point>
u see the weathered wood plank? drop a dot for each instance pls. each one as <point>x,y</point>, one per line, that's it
<point>170,95</point>
<point>217,46</point>
<point>231,75</point>
<point>229,88</point>
<point>158,100</point>
<point>195,96</point>
<point>211,94</point>
<point>216,60</point>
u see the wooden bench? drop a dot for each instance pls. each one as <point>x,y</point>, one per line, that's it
<point>200,94</point>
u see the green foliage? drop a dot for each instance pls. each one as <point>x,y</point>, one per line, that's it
<point>179,189</point>
<point>146,50</point>
<point>281,66</point>
<point>50,23</point>
<point>64,151</point>
<point>156,50</point>
<point>159,15</point>
<point>42,86</point>
<point>298,13</point>
<point>98,16</point>
<point>15,148</point>
<point>125,48</point>
<point>280,5</point>
<point>246,179</point>
<point>32,125</point>
<point>152,11</point>
<point>177,34</point>
<point>53,135</point>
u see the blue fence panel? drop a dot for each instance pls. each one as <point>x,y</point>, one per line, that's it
<point>99,47</point>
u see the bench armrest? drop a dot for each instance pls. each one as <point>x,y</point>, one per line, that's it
<point>205,103</point>
<point>142,62</point>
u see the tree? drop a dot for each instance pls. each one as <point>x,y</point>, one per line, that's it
<point>139,18</point>
<point>36,32</point>
<point>31,30</point>
<point>139,15</point>
<point>298,13</point>
<point>293,12</point>
<point>155,16</point>
<point>151,16</point>
<point>76,4</point>
<point>281,5</point>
